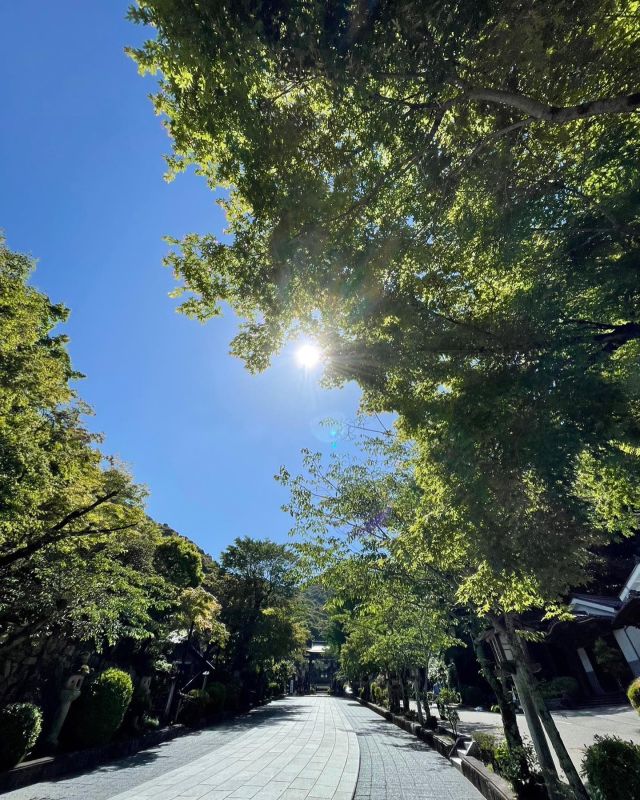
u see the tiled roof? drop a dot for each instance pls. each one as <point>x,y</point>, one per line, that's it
<point>599,599</point>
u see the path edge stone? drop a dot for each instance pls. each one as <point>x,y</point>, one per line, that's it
<point>49,767</point>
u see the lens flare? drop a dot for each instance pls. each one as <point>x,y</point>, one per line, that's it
<point>308,355</point>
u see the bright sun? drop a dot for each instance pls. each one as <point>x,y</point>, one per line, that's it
<point>308,355</point>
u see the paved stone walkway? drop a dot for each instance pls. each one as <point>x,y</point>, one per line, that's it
<point>299,748</point>
<point>394,765</point>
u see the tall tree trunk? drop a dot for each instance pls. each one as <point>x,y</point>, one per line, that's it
<point>394,700</point>
<point>488,669</point>
<point>558,745</point>
<point>404,685</point>
<point>417,687</point>
<point>526,679</point>
<point>521,677</point>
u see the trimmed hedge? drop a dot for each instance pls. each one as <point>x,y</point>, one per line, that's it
<point>98,713</point>
<point>20,726</point>
<point>559,687</point>
<point>612,767</point>
<point>633,693</point>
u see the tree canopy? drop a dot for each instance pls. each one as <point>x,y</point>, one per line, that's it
<point>446,198</point>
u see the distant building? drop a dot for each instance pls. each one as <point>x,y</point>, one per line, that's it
<point>322,667</point>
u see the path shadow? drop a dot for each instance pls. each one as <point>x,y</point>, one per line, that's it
<point>223,730</point>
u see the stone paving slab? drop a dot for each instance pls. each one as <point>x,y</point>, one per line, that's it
<point>107,780</point>
<point>395,765</point>
<point>298,748</point>
<point>309,752</point>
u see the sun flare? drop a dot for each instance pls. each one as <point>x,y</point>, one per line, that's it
<point>308,355</point>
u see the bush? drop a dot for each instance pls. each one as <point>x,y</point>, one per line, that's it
<point>20,726</point>
<point>495,709</point>
<point>612,767</point>
<point>99,711</point>
<point>195,708</point>
<point>217,696</point>
<point>633,693</point>
<point>445,699</point>
<point>508,763</point>
<point>274,689</point>
<point>559,687</point>
<point>486,745</point>
<point>139,706</point>
<point>380,695</point>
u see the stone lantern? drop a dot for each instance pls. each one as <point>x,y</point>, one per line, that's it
<point>69,692</point>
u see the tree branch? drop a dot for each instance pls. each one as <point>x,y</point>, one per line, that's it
<point>83,511</point>
<point>7,559</point>
<point>624,104</point>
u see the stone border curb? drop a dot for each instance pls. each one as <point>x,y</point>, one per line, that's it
<point>63,764</point>
<point>49,767</point>
<point>490,785</point>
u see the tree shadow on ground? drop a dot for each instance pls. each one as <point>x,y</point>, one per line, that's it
<point>192,745</point>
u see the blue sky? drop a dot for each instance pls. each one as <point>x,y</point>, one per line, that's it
<point>81,189</point>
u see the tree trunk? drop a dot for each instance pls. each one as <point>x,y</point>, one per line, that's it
<point>404,685</point>
<point>394,704</point>
<point>536,731</point>
<point>507,709</point>
<point>521,679</point>
<point>525,678</point>
<point>416,691</point>
<point>558,745</point>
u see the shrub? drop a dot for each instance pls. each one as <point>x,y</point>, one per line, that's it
<point>20,725</point>
<point>559,687</point>
<point>611,660</point>
<point>217,696</point>
<point>612,767</point>
<point>486,745</point>
<point>508,763</point>
<point>139,706</point>
<point>633,693</point>
<point>195,708</point>
<point>447,701</point>
<point>380,695</point>
<point>495,709</point>
<point>99,711</point>
<point>274,689</point>
<point>446,698</point>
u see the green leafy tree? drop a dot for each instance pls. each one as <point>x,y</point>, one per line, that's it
<point>80,561</point>
<point>446,198</point>
<point>256,584</point>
